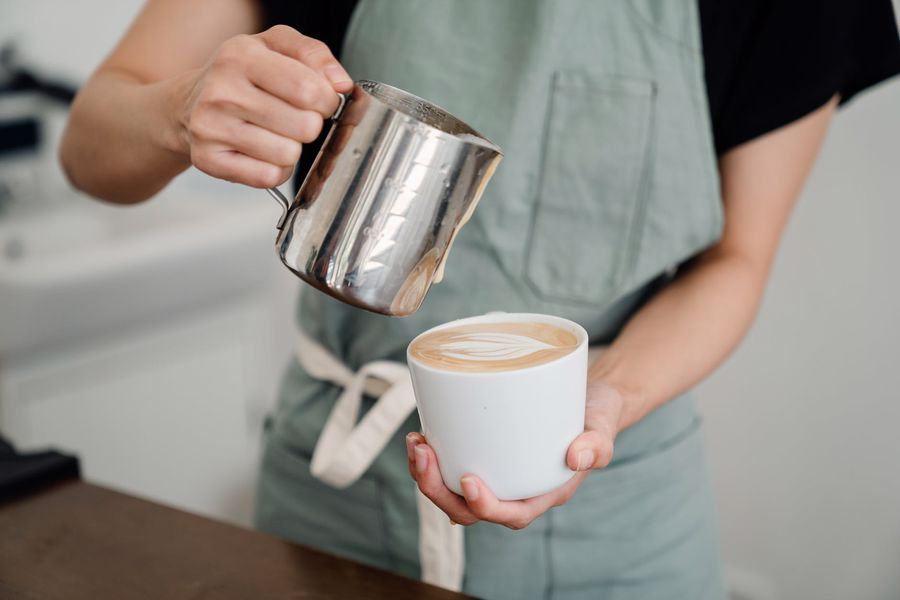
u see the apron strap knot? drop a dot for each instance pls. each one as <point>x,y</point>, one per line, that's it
<point>346,449</point>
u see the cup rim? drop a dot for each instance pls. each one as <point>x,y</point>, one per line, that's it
<point>477,137</point>
<point>504,317</point>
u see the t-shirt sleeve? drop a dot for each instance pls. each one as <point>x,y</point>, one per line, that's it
<point>771,62</point>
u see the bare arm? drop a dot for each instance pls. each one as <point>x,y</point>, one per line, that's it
<point>188,85</point>
<point>679,336</point>
<point>689,328</point>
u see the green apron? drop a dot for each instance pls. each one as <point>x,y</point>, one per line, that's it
<point>609,182</point>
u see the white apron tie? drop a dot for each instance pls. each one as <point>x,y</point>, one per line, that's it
<point>345,449</point>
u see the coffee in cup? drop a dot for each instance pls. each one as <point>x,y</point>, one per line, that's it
<point>493,346</point>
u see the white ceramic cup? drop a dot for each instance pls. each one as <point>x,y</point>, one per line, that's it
<point>510,428</point>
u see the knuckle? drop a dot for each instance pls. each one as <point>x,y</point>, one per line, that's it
<point>200,158</point>
<point>233,50</point>
<point>292,153</point>
<point>208,163</point>
<point>307,93</point>
<point>282,153</point>
<point>200,127</point>
<point>518,524</point>
<point>280,29</point>
<point>426,486</point>
<point>604,453</point>
<point>429,488</point>
<point>482,514</point>
<point>220,96</point>
<point>214,93</point>
<point>267,176</point>
<point>315,49</point>
<point>309,127</point>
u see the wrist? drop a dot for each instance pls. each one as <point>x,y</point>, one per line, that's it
<point>175,99</point>
<point>610,371</point>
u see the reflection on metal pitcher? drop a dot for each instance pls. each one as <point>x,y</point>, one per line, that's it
<point>396,179</point>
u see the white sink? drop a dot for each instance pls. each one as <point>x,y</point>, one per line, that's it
<point>79,267</point>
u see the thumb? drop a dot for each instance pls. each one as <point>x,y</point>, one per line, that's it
<point>593,449</point>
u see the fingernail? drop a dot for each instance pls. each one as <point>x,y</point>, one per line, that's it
<point>452,522</point>
<point>421,459</point>
<point>410,443</point>
<point>336,74</point>
<point>469,488</point>
<point>585,459</point>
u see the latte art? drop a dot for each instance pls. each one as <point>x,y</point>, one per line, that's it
<point>489,347</point>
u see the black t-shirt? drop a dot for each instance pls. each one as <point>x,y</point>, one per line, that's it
<point>767,62</point>
<point>770,62</point>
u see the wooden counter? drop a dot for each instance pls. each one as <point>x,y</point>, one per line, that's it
<point>78,541</point>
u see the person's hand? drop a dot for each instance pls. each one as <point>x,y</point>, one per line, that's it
<point>593,449</point>
<point>247,112</point>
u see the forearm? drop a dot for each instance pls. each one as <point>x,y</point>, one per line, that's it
<point>689,328</point>
<point>124,141</point>
<point>683,333</point>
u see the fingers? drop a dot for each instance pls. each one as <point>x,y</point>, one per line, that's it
<point>276,115</point>
<point>428,477</point>
<point>591,450</point>
<point>230,165</point>
<point>294,82</point>
<point>515,514</point>
<point>214,133</point>
<point>264,145</point>
<point>485,505</point>
<point>412,440</point>
<point>479,502</point>
<point>250,58</point>
<point>424,469</point>
<point>311,52</point>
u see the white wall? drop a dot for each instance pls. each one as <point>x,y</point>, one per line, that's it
<point>803,420</point>
<point>178,420</point>
<point>66,37</point>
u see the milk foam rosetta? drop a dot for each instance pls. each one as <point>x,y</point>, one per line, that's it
<point>489,347</point>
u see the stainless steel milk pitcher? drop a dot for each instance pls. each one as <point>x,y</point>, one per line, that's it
<point>396,179</point>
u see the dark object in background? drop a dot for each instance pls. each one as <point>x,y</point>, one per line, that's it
<point>15,78</point>
<point>19,134</point>
<point>22,473</point>
<point>21,131</point>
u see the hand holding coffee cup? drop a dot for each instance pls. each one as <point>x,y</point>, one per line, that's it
<point>502,401</point>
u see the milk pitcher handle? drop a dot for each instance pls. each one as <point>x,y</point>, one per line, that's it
<point>276,193</point>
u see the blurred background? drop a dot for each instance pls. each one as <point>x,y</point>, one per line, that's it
<point>149,340</point>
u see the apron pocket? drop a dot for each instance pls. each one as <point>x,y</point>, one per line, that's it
<point>589,208</point>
